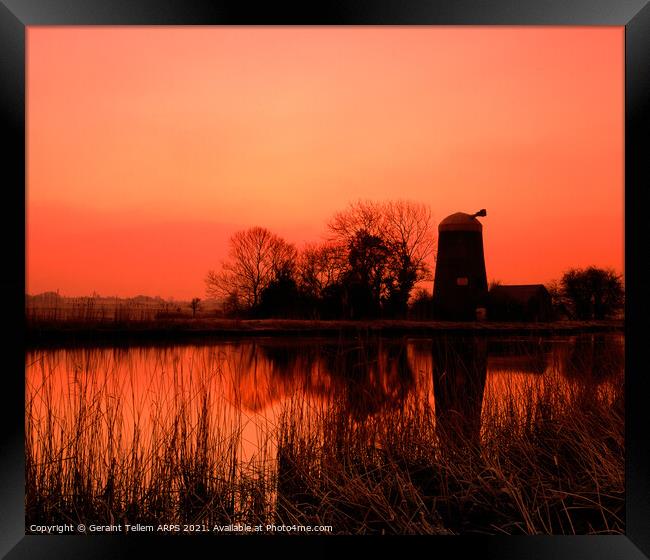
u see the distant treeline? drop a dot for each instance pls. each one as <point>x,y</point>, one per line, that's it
<point>52,306</point>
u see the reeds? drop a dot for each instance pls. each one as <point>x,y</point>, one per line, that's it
<point>549,458</point>
<point>94,456</point>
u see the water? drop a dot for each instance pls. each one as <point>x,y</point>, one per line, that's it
<point>232,406</point>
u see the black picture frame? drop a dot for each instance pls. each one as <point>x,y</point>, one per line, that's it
<point>16,15</point>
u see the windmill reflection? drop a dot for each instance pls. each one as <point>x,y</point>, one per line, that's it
<point>459,368</point>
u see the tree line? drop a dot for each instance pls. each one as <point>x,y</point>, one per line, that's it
<point>374,255</point>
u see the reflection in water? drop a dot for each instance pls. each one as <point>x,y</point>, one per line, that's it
<point>520,355</point>
<point>373,375</point>
<point>459,373</point>
<point>369,375</point>
<point>253,378</point>
<point>595,356</point>
<point>136,416</point>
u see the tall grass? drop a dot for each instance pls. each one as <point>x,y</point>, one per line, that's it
<point>96,453</point>
<point>548,462</point>
<point>548,459</point>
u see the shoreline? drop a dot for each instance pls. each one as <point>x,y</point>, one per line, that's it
<point>71,333</point>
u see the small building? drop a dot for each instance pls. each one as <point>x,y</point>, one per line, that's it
<point>526,302</point>
<point>460,283</point>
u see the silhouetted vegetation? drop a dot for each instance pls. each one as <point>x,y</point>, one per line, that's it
<point>376,254</point>
<point>390,245</point>
<point>256,258</point>
<point>195,304</point>
<point>53,307</point>
<point>355,441</point>
<point>546,463</point>
<point>588,293</point>
<point>421,307</point>
<point>371,267</point>
<point>281,297</point>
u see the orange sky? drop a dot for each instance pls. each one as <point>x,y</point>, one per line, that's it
<point>148,147</point>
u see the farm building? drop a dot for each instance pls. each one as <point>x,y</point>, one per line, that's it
<point>530,302</point>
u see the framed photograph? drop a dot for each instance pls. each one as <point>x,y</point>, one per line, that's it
<point>339,277</point>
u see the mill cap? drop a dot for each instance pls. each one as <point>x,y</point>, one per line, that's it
<point>462,222</point>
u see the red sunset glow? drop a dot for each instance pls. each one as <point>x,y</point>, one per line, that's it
<point>148,147</point>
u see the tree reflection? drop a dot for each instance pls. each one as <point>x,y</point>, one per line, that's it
<point>595,357</point>
<point>374,374</point>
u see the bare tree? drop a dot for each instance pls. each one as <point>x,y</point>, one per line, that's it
<point>362,215</point>
<point>406,230</point>
<point>409,234</point>
<point>321,266</point>
<point>195,304</point>
<point>255,258</point>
